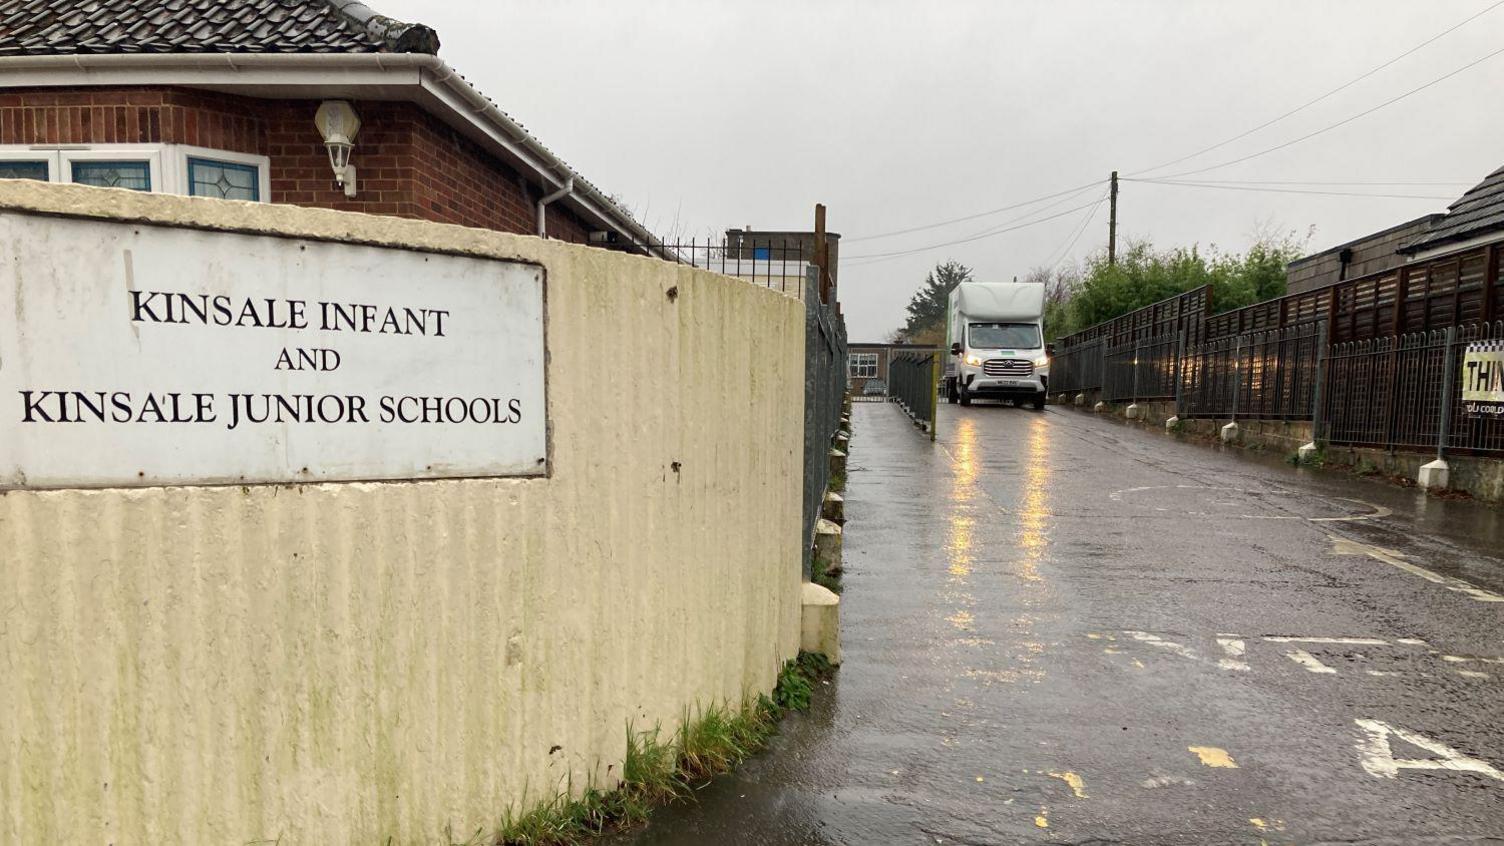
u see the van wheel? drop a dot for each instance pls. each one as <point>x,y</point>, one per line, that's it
<point>965,396</point>
<point>950,391</point>
<point>1039,402</point>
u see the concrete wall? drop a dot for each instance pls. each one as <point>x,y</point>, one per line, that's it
<point>348,663</point>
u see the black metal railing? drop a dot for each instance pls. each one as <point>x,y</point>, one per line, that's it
<point>1078,368</point>
<point>1141,370</point>
<point>1262,375</point>
<point>911,383</point>
<point>824,391</point>
<point>1404,392</point>
<point>780,263</point>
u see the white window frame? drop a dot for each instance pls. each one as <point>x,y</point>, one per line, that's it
<point>859,361</point>
<point>149,153</point>
<point>167,163</point>
<point>21,153</point>
<point>181,153</point>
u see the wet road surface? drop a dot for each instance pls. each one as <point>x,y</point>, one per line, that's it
<point>1061,630</point>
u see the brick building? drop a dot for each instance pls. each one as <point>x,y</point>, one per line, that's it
<point>219,98</point>
<point>868,362</point>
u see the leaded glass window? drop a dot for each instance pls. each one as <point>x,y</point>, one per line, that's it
<point>18,169</point>
<point>113,174</point>
<point>225,180</point>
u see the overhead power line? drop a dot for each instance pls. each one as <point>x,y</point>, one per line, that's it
<point>1057,256</point>
<point>1188,184</point>
<point>1315,182</point>
<point>1328,128</point>
<point>1344,86</point>
<point>1077,190</point>
<point>977,237</point>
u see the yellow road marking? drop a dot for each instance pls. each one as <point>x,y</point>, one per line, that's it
<point>1078,785</point>
<point>1212,756</point>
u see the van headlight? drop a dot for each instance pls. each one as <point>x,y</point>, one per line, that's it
<point>1042,361</point>
<point>974,361</point>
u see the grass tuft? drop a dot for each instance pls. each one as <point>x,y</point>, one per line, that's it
<point>656,773</point>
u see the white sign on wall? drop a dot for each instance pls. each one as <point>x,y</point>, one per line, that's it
<point>144,355</point>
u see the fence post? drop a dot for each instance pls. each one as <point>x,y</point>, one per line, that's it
<point>934,391</point>
<point>1435,474</point>
<point>1133,411</point>
<point>1230,431</point>
<point>1179,378</point>
<point>1309,451</point>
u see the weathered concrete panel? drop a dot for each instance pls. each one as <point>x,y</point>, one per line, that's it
<point>344,663</point>
<point>150,355</point>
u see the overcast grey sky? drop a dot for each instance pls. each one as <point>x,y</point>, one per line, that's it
<point>709,115</point>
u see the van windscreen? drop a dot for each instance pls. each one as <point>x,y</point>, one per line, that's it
<point>996,336</point>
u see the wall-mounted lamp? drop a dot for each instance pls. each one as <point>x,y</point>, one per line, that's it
<point>338,124</point>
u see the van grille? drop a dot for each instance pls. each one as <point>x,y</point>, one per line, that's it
<point>1016,368</point>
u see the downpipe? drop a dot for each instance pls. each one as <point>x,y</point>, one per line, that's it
<point>560,194</point>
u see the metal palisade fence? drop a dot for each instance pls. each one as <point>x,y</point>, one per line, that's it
<point>911,384</point>
<point>824,390</point>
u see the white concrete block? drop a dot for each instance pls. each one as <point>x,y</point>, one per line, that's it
<point>1307,451</point>
<point>827,546</point>
<point>1434,475</point>
<point>1172,422</point>
<point>1080,399</point>
<point>1099,407</point>
<point>1132,411</point>
<point>1231,432</point>
<point>820,622</point>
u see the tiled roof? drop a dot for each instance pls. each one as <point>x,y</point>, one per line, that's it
<point>48,27</point>
<point>1477,212</point>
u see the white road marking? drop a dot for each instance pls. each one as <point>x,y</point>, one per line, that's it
<point>1337,641</point>
<point>1179,649</point>
<point>1378,758</point>
<point>1464,659</point>
<point>1309,661</point>
<point>1472,674</point>
<point>1235,649</point>
<point>1411,641</point>
<point>1343,546</point>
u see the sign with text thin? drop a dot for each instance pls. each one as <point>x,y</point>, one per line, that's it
<point>1483,378</point>
<point>136,355</point>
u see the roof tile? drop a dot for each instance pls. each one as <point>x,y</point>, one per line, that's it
<point>1479,211</point>
<point>48,27</point>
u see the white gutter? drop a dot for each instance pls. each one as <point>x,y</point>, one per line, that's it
<point>413,74</point>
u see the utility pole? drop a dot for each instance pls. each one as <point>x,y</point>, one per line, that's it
<point>822,253</point>
<point>1112,223</point>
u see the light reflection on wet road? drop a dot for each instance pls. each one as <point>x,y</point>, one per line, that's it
<point>1059,630</point>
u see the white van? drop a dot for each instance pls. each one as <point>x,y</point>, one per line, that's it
<point>996,335</point>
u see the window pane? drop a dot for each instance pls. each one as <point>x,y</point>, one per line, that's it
<point>23,170</point>
<point>862,365</point>
<point>133,175</point>
<point>225,180</point>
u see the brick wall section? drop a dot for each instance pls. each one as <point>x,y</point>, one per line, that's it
<point>129,116</point>
<point>408,163</point>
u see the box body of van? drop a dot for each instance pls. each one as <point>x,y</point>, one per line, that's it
<point>995,332</point>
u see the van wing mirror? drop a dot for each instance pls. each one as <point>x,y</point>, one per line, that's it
<point>955,349</point>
